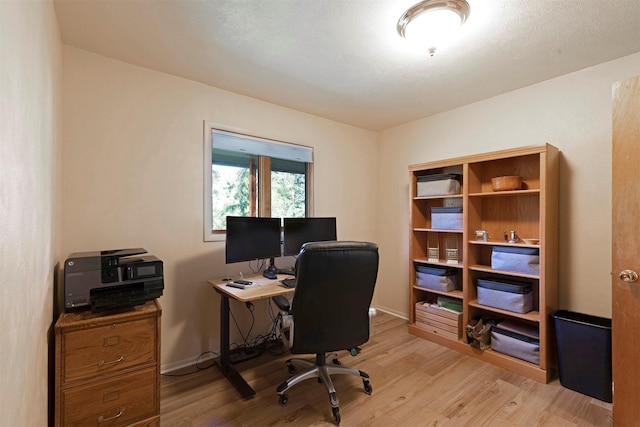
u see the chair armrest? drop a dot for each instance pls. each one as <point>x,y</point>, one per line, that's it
<point>285,325</point>
<point>287,321</point>
<point>282,302</point>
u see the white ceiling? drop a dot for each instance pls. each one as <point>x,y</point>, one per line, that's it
<point>343,59</point>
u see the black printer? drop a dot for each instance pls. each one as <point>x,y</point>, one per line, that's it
<point>111,279</point>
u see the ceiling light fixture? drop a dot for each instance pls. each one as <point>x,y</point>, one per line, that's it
<point>433,22</point>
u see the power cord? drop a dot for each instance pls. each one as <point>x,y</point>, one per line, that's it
<point>250,307</point>
<point>259,265</point>
<point>197,365</point>
<point>270,342</point>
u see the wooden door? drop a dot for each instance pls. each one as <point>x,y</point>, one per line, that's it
<point>626,252</point>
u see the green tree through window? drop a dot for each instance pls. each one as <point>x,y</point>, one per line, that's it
<point>239,165</point>
<point>230,193</point>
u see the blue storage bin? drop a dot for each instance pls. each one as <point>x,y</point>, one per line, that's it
<point>446,218</point>
<point>516,258</point>
<point>512,296</point>
<point>439,279</point>
<point>516,339</point>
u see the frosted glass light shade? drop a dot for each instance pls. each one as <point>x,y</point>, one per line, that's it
<point>433,24</point>
<point>433,29</point>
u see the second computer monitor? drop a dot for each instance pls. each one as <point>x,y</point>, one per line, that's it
<point>298,231</point>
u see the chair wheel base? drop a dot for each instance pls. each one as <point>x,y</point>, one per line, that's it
<point>322,370</point>
<point>284,399</point>
<point>367,387</point>
<point>336,415</point>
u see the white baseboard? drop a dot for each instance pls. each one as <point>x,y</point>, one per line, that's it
<point>392,312</point>
<point>174,366</point>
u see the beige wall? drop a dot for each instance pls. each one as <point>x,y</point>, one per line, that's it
<point>133,146</point>
<point>133,177</point>
<point>30,124</point>
<point>572,112</point>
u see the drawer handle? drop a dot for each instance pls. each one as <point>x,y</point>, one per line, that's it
<point>118,360</point>
<point>118,415</point>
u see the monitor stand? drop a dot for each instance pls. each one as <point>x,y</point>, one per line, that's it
<point>271,271</point>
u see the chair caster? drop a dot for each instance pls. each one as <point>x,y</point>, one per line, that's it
<point>284,399</point>
<point>367,387</point>
<point>336,415</point>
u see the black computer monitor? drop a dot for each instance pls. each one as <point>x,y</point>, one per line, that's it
<point>252,238</point>
<point>298,231</point>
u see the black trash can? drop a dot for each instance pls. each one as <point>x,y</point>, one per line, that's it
<point>584,353</point>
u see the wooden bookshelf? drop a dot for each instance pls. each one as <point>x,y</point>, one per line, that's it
<point>531,211</point>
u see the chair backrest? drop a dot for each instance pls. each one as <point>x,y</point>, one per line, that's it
<point>335,283</point>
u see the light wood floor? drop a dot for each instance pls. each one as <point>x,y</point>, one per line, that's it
<point>415,383</point>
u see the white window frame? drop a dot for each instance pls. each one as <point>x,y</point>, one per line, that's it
<point>210,235</point>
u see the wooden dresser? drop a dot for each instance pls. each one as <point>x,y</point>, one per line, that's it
<point>108,367</point>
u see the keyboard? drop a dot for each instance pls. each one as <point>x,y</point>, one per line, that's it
<point>289,283</point>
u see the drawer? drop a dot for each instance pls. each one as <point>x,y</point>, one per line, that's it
<point>439,321</point>
<point>437,330</point>
<point>115,402</point>
<point>88,353</point>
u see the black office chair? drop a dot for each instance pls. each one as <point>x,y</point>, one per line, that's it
<point>330,311</point>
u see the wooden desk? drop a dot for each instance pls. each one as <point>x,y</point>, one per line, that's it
<point>261,289</point>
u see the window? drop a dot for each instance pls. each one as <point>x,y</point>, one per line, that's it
<point>250,176</point>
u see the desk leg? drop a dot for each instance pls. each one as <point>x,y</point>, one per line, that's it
<point>224,362</point>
